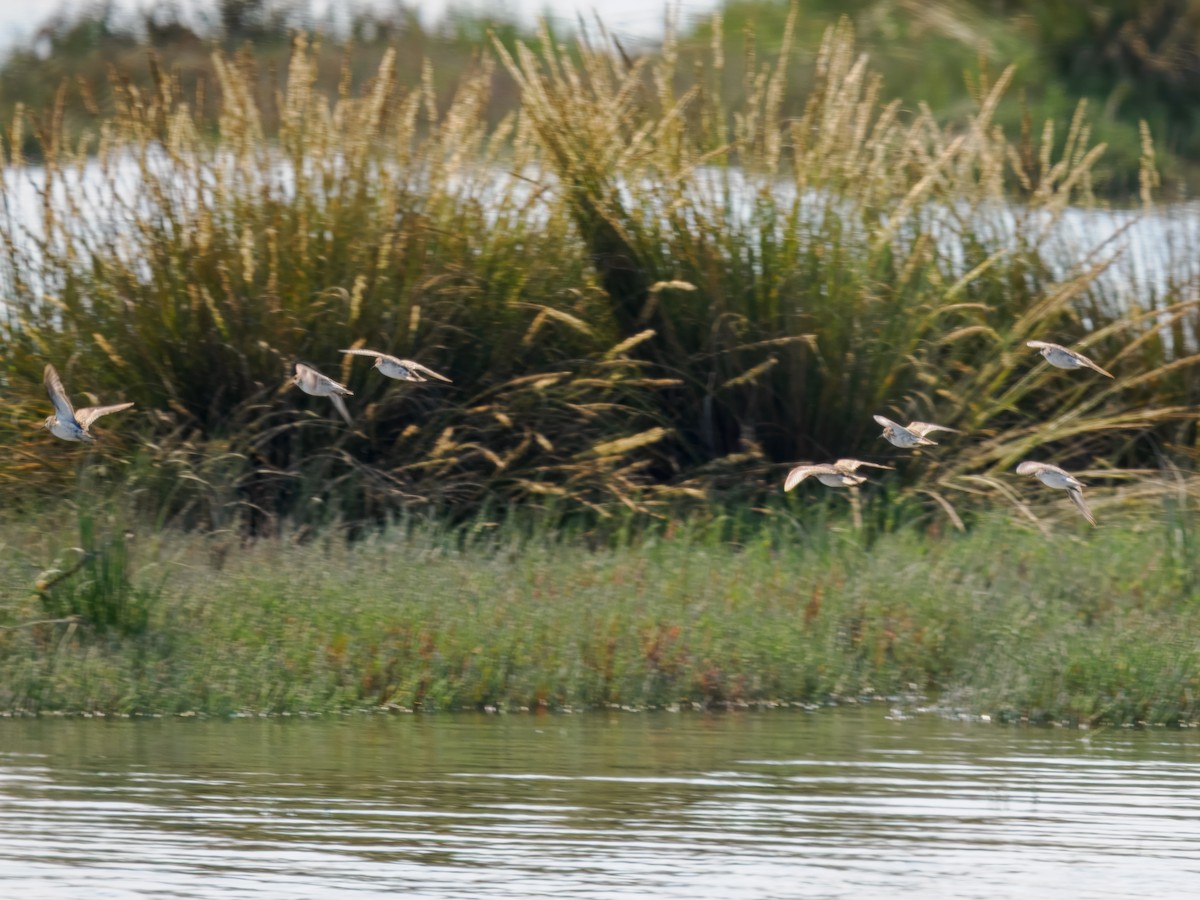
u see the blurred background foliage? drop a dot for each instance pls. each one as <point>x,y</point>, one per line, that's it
<point>1131,60</point>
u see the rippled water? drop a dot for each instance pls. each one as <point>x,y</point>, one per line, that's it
<point>770,804</point>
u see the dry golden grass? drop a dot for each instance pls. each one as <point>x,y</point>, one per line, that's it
<point>644,295</point>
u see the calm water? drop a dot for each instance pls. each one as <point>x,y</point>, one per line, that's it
<point>774,804</point>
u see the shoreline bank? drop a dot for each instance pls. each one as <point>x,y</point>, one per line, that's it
<point>1089,628</point>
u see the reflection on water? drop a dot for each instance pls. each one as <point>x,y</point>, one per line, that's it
<point>779,804</point>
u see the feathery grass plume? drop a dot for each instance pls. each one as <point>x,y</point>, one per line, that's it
<point>894,245</point>
<point>631,253</point>
<point>200,258</point>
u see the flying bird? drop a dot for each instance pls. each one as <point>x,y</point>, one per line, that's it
<point>400,369</point>
<point>69,423</point>
<point>910,435</point>
<point>1064,358</point>
<point>1053,476</point>
<point>313,382</point>
<point>836,474</point>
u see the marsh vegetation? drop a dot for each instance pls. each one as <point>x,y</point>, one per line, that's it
<point>645,295</point>
<point>996,621</point>
<point>652,296</point>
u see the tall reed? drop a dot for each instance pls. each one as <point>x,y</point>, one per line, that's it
<point>645,292</point>
<point>856,260</point>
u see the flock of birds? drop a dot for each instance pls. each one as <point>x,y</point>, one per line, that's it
<point>72,424</point>
<point>313,382</point>
<point>843,472</point>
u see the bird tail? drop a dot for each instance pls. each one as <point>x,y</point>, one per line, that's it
<point>341,407</point>
<point>1076,496</point>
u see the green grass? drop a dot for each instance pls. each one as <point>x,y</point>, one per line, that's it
<point>1090,626</point>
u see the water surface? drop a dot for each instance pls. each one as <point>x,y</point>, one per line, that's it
<point>834,803</point>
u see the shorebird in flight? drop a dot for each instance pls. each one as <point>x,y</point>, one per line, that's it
<point>835,474</point>
<point>1053,476</point>
<point>1065,358</point>
<point>910,435</point>
<point>69,423</point>
<point>313,382</point>
<point>400,369</point>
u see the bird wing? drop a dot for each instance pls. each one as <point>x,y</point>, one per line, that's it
<point>58,394</point>
<point>799,473</point>
<point>886,422</point>
<point>340,404</point>
<point>307,374</point>
<point>1076,496</point>
<point>85,417</point>
<point>307,371</point>
<point>923,428</point>
<point>1074,354</point>
<point>369,353</point>
<point>408,363</point>
<point>1058,470</point>
<point>1079,357</point>
<point>849,465</point>
<point>1030,467</point>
